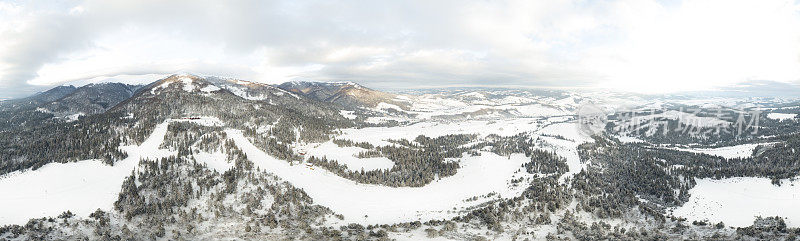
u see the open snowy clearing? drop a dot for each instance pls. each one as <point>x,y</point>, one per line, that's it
<point>347,157</point>
<point>737,151</point>
<point>215,161</point>
<point>348,114</point>
<point>781,116</point>
<point>374,204</point>
<point>200,120</point>
<point>568,130</point>
<point>84,186</point>
<point>81,187</point>
<point>736,201</point>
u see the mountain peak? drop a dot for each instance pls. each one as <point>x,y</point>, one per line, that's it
<point>346,93</point>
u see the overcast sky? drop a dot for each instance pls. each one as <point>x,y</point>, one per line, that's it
<point>631,45</point>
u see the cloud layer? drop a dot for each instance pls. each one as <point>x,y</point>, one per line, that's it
<point>623,44</point>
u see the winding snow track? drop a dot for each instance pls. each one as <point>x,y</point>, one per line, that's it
<point>375,204</point>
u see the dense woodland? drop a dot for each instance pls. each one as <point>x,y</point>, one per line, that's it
<point>92,137</point>
<point>743,126</point>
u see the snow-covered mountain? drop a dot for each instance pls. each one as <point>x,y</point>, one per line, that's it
<point>37,99</point>
<point>346,94</point>
<point>90,99</point>
<point>200,157</point>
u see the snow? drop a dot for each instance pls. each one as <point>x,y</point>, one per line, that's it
<point>74,117</point>
<point>347,157</point>
<point>781,116</point>
<point>81,187</point>
<point>568,130</point>
<point>629,139</point>
<point>378,135</point>
<point>387,106</point>
<point>428,106</point>
<point>515,100</point>
<point>683,117</point>
<point>188,84</point>
<point>474,95</point>
<point>535,110</point>
<point>565,148</point>
<point>349,114</point>
<point>216,161</point>
<point>238,91</point>
<point>736,201</point>
<point>210,88</point>
<point>371,204</point>
<point>738,151</point>
<point>415,235</point>
<point>201,120</point>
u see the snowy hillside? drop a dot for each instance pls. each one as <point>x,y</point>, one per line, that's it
<point>202,157</point>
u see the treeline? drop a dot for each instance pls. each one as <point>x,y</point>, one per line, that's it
<point>91,137</point>
<point>349,143</point>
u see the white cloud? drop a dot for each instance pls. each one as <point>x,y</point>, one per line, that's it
<point>622,44</point>
<point>705,44</point>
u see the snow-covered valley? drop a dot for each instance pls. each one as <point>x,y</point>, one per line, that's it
<point>374,204</point>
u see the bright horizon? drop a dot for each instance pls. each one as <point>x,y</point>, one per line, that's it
<point>638,46</point>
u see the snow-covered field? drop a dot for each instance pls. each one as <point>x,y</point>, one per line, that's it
<point>347,114</point>
<point>215,161</point>
<point>736,201</point>
<point>81,187</point>
<point>738,151</point>
<point>84,186</point>
<point>347,156</point>
<point>371,204</point>
<point>781,116</point>
<point>201,120</point>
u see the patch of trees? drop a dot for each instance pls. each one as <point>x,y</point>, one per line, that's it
<point>182,135</point>
<point>546,162</point>
<point>349,143</point>
<point>616,176</point>
<point>156,198</point>
<point>272,146</point>
<point>416,163</point>
<point>519,143</point>
<point>619,176</point>
<point>769,228</point>
<point>671,131</point>
<point>777,162</point>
